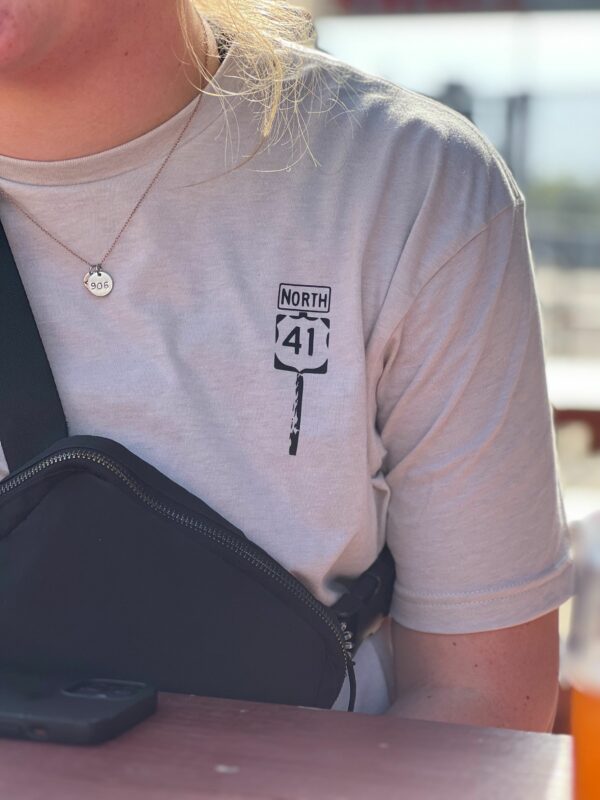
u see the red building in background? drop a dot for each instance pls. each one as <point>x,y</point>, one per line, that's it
<point>448,6</point>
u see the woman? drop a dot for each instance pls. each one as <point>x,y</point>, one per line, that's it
<point>306,295</point>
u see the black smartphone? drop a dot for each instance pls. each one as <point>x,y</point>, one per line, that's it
<point>50,708</point>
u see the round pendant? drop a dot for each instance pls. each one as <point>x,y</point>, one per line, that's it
<point>98,282</point>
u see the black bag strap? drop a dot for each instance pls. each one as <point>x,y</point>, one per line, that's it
<point>367,599</point>
<point>31,414</point>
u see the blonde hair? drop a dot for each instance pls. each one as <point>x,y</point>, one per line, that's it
<point>262,31</point>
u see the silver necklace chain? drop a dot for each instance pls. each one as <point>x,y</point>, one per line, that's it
<point>127,221</point>
<point>97,280</point>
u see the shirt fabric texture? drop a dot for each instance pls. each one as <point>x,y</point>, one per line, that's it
<point>401,241</point>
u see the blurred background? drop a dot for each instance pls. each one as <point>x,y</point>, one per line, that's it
<point>527,74</point>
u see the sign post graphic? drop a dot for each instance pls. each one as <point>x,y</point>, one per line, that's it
<point>301,341</point>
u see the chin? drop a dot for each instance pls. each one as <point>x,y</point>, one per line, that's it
<point>26,32</point>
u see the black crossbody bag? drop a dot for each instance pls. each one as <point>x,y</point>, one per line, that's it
<point>109,568</point>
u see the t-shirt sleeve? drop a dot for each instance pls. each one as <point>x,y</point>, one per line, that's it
<point>475,518</point>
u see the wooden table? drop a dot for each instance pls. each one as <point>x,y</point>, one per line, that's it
<point>197,748</point>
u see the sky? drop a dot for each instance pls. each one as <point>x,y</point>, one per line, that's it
<point>555,56</point>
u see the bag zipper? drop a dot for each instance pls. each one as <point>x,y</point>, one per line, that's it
<point>232,542</point>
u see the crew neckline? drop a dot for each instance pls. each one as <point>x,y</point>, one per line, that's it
<point>136,152</point>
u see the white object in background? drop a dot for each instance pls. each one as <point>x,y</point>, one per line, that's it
<point>581,656</point>
<point>574,383</point>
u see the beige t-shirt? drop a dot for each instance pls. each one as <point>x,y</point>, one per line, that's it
<point>391,268</point>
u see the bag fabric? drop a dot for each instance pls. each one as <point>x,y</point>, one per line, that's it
<point>110,569</point>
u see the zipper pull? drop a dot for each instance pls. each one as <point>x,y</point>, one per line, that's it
<point>350,664</point>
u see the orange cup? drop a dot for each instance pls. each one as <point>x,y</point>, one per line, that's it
<point>581,658</point>
<point>585,728</point>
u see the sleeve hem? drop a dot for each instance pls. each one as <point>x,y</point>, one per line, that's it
<point>486,611</point>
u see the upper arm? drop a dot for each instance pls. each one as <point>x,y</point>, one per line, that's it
<point>502,678</point>
<point>475,518</point>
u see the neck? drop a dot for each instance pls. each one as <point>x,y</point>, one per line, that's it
<point>84,99</point>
